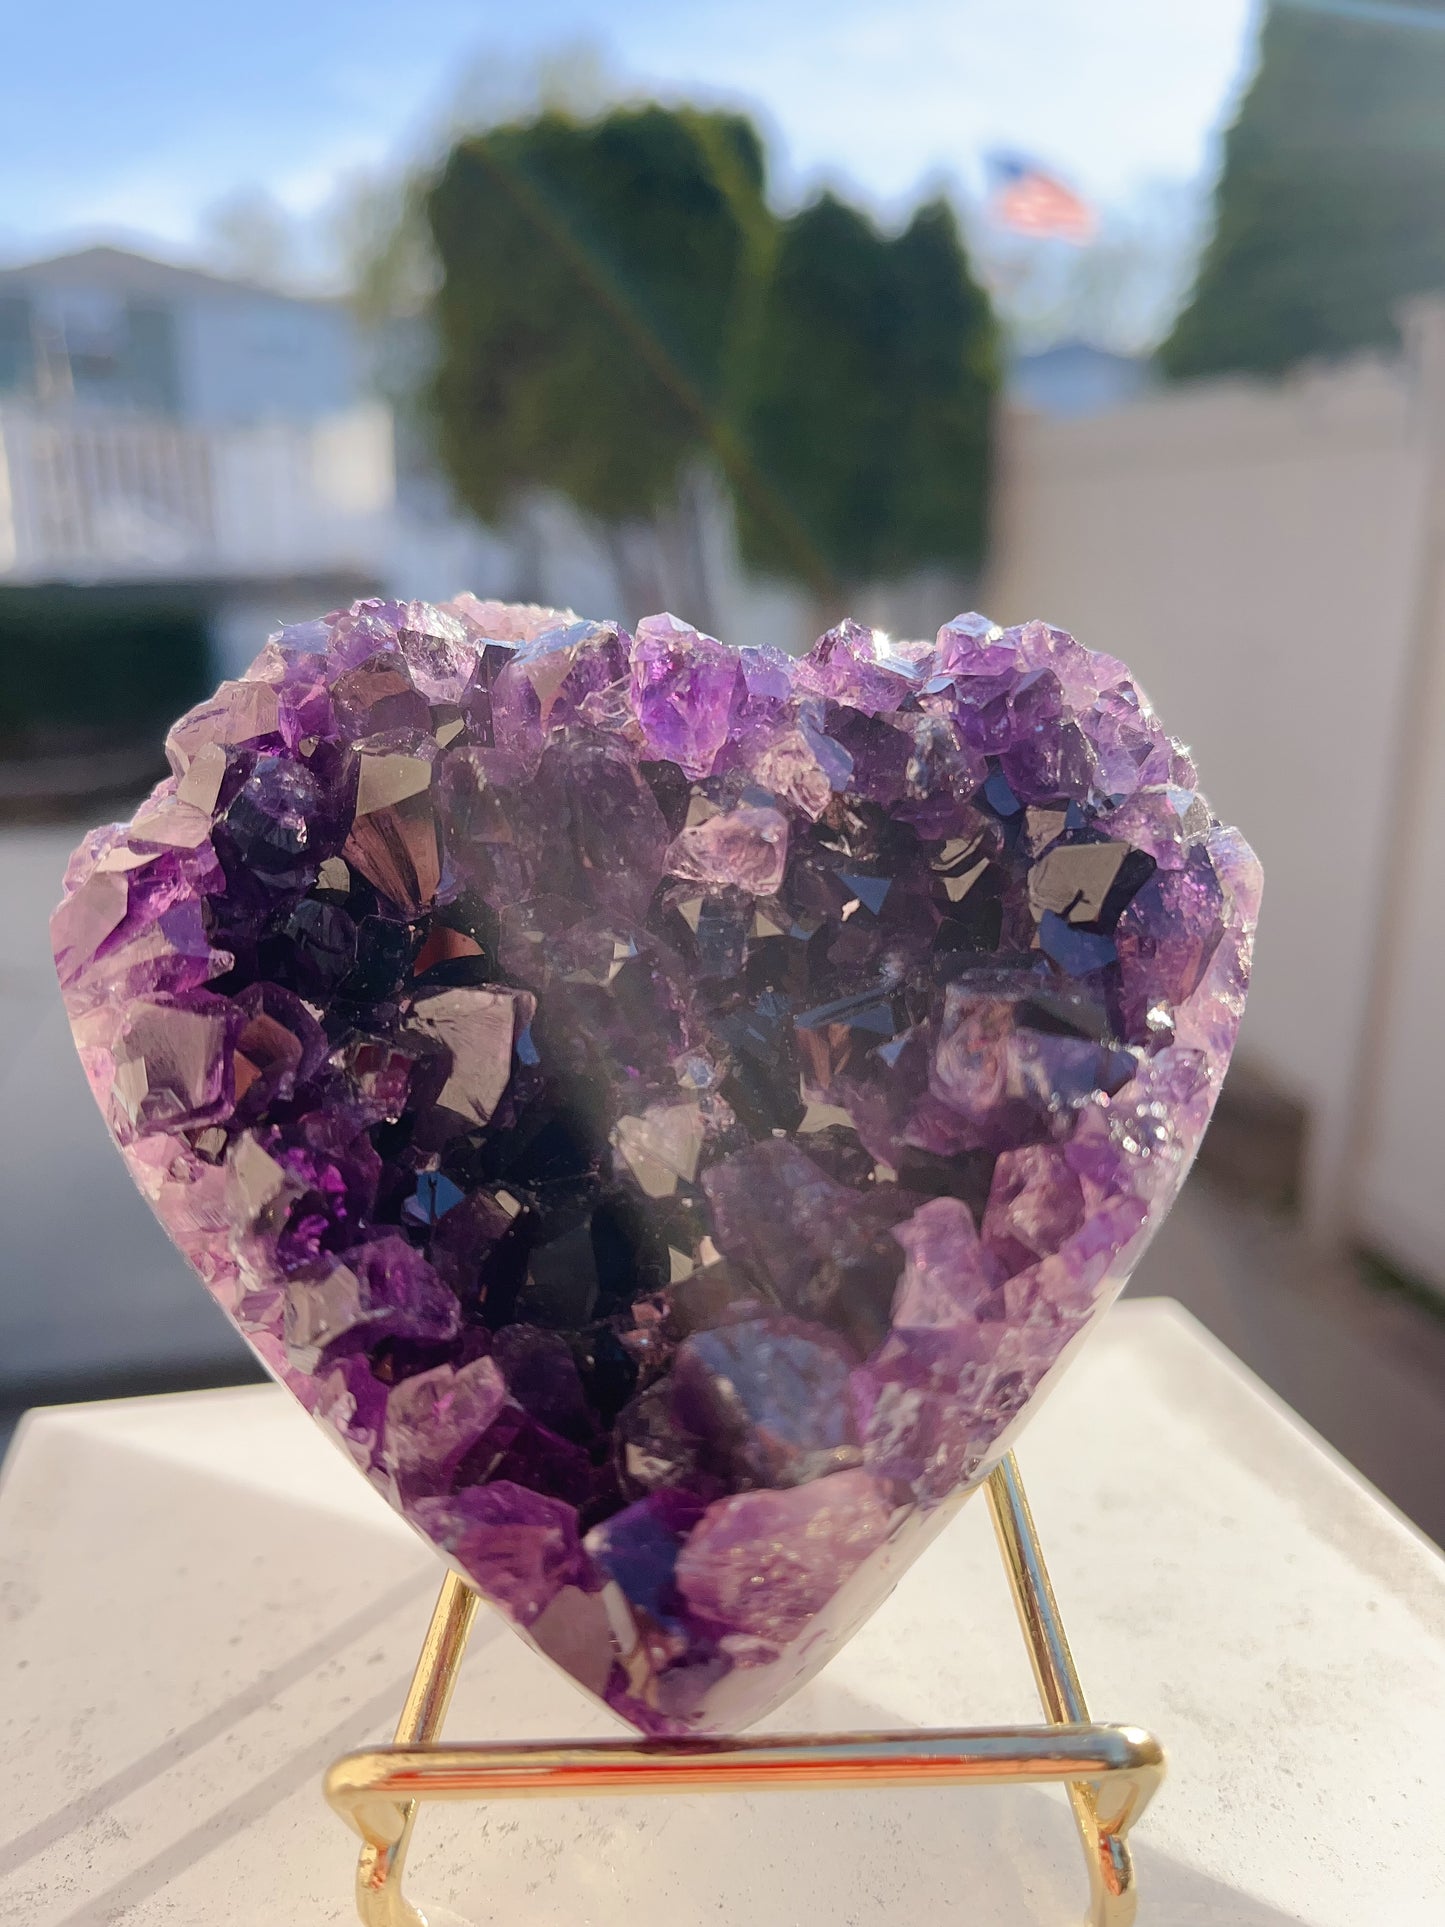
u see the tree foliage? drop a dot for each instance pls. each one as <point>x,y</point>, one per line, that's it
<point>1331,205</point>
<point>618,304</point>
<point>593,277</point>
<point>869,412</point>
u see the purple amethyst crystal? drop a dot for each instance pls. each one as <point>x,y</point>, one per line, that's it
<point>664,1108</point>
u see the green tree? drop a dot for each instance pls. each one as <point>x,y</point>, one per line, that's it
<point>1331,205</point>
<point>596,280</point>
<point>871,402</point>
<point>621,319</point>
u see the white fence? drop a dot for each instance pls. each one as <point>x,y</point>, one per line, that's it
<point>1269,557</point>
<point>96,497</point>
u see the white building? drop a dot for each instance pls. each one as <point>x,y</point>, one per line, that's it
<point>161,425</point>
<point>113,330</point>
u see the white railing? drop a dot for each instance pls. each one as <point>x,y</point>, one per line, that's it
<point>86,496</point>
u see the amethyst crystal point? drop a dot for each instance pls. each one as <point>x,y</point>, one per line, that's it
<point>665,1109</point>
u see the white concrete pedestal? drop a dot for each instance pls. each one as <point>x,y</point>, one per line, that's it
<point>201,1605</point>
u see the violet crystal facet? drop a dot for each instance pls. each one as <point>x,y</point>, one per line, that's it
<point>665,1109</point>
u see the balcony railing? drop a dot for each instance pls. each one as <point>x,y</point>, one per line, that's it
<point>91,497</point>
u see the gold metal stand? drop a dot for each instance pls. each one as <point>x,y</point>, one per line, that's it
<point>1111,1772</point>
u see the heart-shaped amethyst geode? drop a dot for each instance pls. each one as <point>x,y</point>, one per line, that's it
<point>664,1108</point>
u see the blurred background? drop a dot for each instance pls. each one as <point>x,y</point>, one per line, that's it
<point>1127,316</point>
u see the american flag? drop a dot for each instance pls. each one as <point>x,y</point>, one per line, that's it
<point>1029,200</point>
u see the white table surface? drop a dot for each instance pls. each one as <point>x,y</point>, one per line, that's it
<point>201,1605</point>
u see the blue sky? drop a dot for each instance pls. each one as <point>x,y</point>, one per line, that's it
<point>134,118</point>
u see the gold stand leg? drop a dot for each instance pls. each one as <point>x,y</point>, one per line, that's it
<point>1111,1772</point>
<point>385,1825</point>
<point>1103,1812</point>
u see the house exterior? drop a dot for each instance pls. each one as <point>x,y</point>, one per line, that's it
<point>161,424</point>
<point>108,329</point>
<point>184,460</point>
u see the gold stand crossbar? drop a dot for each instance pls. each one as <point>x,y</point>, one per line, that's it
<point>1111,1772</point>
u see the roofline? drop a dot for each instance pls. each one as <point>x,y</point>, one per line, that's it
<point>208,277</point>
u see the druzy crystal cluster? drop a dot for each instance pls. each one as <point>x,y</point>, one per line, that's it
<point>664,1108</point>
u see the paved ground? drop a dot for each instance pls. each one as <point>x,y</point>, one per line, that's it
<point>94,1299</point>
